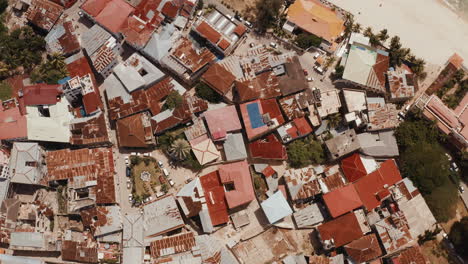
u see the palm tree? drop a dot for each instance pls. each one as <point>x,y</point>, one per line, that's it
<point>334,120</point>
<point>357,28</point>
<point>383,35</point>
<point>368,32</point>
<point>395,43</point>
<point>180,149</point>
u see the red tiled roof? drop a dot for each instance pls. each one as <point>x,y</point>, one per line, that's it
<point>193,59</point>
<point>353,168</point>
<point>80,67</point>
<point>240,30</point>
<point>342,200</point>
<point>79,251</point>
<point>412,255</point>
<point>170,10</point>
<point>456,60</point>
<point>215,199</point>
<point>224,44</point>
<point>218,78</point>
<point>43,13</point>
<point>132,132</point>
<point>381,67</point>
<point>94,7</point>
<point>222,120</point>
<point>237,173</point>
<point>69,41</point>
<point>208,32</point>
<point>92,131</point>
<point>268,171</point>
<point>299,128</point>
<point>372,184</point>
<point>266,107</point>
<point>12,124</point>
<point>342,230</point>
<point>364,249</point>
<point>91,102</point>
<point>174,244</point>
<point>112,14</point>
<point>41,94</point>
<point>268,148</point>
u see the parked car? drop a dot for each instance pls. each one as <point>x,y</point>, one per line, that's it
<point>128,171</point>
<point>248,24</point>
<point>316,55</point>
<point>448,156</point>
<point>129,185</point>
<point>252,45</point>
<point>160,164</point>
<point>147,154</point>
<point>310,79</point>
<point>166,172</point>
<point>199,13</point>
<point>159,194</point>
<point>147,199</point>
<point>318,69</point>
<point>80,13</point>
<point>127,161</point>
<point>130,197</point>
<point>461,188</point>
<point>305,72</point>
<point>171,182</point>
<point>454,166</point>
<point>134,154</point>
<point>229,17</point>
<point>273,45</point>
<point>402,115</point>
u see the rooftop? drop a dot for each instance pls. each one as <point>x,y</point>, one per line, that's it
<point>189,57</point>
<point>41,94</point>
<point>411,255</point>
<point>394,232</point>
<point>112,14</point>
<point>355,100</point>
<point>316,18</point>
<point>294,79</point>
<point>343,144</point>
<point>356,166</point>
<point>378,145</point>
<point>342,200</point>
<point>161,216</point>
<point>217,207</point>
<point>79,251</point>
<point>384,117</point>
<point>367,66</point>
<point>237,183</point>
<point>218,78</point>
<point>295,129</point>
<point>330,103</point>
<point>364,249</point>
<point>234,147</point>
<point>173,245</point>
<point>89,130</point>
<point>43,13</point>
<point>260,117</point>
<point>204,149</point>
<point>401,84</point>
<point>135,131</point>
<point>302,183</point>
<point>63,39</point>
<point>293,106</point>
<point>268,147</point>
<point>276,207</point>
<point>12,124</point>
<point>309,216</point>
<point>222,121</point>
<point>342,230</point>
<point>26,163</point>
<point>133,233</point>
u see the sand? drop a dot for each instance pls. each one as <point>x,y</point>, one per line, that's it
<point>428,27</point>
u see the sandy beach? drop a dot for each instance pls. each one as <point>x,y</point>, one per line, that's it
<point>428,27</point>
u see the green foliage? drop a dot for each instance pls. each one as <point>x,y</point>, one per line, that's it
<point>164,188</point>
<point>21,47</point>
<point>267,13</point>
<point>173,100</point>
<point>303,152</point>
<point>200,5</point>
<point>428,235</point>
<point>305,40</point>
<point>458,234</point>
<point>339,70</point>
<point>334,120</point>
<point>135,160</point>
<point>5,91</point>
<point>3,5</point>
<point>191,162</point>
<point>205,92</point>
<point>52,70</point>
<point>423,160</point>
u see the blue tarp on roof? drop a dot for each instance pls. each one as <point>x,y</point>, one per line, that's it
<point>254,115</point>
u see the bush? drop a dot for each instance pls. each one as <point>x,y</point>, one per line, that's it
<point>305,40</point>
<point>267,13</point>
<point>304,152</point>
<point>339,70</point>
<point>173,100</point>
<point>164,188</point>
<point>51,71</point>
<point>3,5</point>
<point>5,91</point>
<point>458,234</point>
<point>205,92</point>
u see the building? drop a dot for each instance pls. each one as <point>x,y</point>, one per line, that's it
<point>161,216</point>
<point>297,128</point>
<point>102,49</point>
<point>343,230</point>
<point>366,66</point>
<point>63,39</point>
<point>355,100</point>
<point>40,94</point>
<point>382,116</point>
<point>27,163</point>
<point>237,182</point>
<point>104,222</point>
<point>342,200</point>
<point>260,117</point>
<point>269,148</point>
<point>364,249</point>
<point>216,204</point>
<point>379,145</point>
<point>13,124</point>
<point>186,60</point>
<point>394,232</point>
<point>453,123</point>
<point>302,104</point>
<point>309,216</point>
<point>293,79</point>
<point>161,42</point>
<point>79,251</point>
<point>220,32</point>
<point>302,184</point>
<point>92,130</point>
<point>276,207</point>
<point>357,166</point>
<point>316,18</point>
<point>34,242</point>
<point>135,131</point>
<point>454,63</point>
<point>220,80</point>
<point>222,121</point>
<point>204,149</point>
<point>411,255</point>
<point>88,169</point>
<point>402,84</point>
<point>110,14</point>
<point>172,245</point>
<point>234,147</point>
<point>133,238</point>
<point>343,144</point>
<point>329,103</point>
<point>43,14</point>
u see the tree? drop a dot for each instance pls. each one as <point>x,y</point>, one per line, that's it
<point>267,13</point>
<point>52,70</point>
<point>459,75</point>
<point>305,40</point>
<point>173,100</point>
<point>383,35</point>
<point>334,120</point>
<point>338,74</point>
<point>458,234</point>
<point>205,92</point>
<point>303,152</point>
<point>164,188</point>
<point>3,5</point>
<point>395,43</point>
<point>411,132</point>
<point>368,32</point>
<point>200,5</point>
<point>5,91</point>
<point>357,28</point>
<point>180,149</point>
<point>429,235</point>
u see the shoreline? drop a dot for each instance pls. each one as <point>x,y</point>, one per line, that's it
<point>454,9</point>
